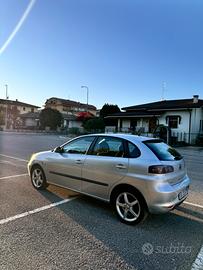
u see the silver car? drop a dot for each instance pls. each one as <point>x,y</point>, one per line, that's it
<point>137,175</point>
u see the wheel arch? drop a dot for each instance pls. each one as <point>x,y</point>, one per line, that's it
<point>36,165</point>
<point>122,187</point>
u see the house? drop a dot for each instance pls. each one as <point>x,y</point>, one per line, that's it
<point>10,111</point>
<point>69,106</point>
<point>71,121</point>
<point>21,106</point>
<point>70,110</point>
<point>30,120</point>
<point>184,117</point>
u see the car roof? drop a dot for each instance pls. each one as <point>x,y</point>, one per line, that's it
<point>129,137</point>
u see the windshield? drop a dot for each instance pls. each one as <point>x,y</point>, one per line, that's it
<point>163,151</point>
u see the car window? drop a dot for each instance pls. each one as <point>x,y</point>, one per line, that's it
<point>133,150</point>
<point>163,151</point>
<point>109,146</point>
<point>78,146</point>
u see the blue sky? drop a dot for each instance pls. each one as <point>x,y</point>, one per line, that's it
<point>122,49</point>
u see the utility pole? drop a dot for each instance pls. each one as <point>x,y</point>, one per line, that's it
<point>6,116</point>
<point>83,86</point>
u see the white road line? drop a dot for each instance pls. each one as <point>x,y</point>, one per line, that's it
<point>20,159</point>
<point>194,204</point>
<point>13,176</point>
<point>11,163</point>
<point>37,210</point>
<point>198,263</point>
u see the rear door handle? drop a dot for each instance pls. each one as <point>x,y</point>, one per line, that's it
<point>120,166</point>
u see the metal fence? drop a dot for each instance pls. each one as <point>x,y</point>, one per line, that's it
<point>175,138</point>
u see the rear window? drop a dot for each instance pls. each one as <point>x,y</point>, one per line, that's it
<point>163,151</point>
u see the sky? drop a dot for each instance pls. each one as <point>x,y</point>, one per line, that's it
<point>123,50</point>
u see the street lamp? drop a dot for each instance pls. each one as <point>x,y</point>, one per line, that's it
<point>83,86</point>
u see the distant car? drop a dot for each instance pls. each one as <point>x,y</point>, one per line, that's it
<point>136,174</point>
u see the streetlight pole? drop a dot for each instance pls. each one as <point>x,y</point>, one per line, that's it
<point>6,116</point>
<point>84,86</point>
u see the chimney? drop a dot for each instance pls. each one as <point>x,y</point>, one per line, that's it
<point>195,98</point>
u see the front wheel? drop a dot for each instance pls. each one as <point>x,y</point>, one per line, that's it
<point>130,207</point>
<point>38,178</point>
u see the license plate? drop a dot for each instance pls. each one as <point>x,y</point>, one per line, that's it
<point>183,193</point>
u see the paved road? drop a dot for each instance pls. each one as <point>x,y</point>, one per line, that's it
<point>194,161</point>
<point>84,233</point>
<point>23,146</point>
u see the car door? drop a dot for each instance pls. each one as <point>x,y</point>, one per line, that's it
<point>104,165</point>
<point>65,168</point>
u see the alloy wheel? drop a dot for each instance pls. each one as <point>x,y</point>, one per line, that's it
<point>37,178</point>
<point>128,207</point>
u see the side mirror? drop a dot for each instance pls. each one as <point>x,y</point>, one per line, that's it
<point>58,150</point>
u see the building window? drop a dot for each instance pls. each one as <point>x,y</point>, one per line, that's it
<point>32,109</point>
<point>173,121</point>
<point>23,108</point>
<point>133,124</point>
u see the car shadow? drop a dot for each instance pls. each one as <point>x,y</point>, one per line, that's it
<point>191,212</point>
<point>165,233</point>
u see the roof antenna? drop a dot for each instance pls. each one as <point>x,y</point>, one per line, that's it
<point>163,90</point>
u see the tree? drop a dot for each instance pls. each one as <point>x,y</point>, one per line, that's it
<point>84,116</point>
<point>108,109</point>
<point>94,125</point>
<point>50,118</point>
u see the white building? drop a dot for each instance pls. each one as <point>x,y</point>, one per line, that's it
<point>184,117</point>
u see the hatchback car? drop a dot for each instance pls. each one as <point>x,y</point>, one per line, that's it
<point>137,175</point>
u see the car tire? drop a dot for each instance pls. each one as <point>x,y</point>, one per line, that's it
<point>130,206</point>
<point>38,178</point>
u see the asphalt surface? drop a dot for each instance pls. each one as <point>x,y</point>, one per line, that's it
<point>85,233</point>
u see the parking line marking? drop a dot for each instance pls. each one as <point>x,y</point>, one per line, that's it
<point>37,210</point>
<point>11,163</point>
<point>194,204</point>
<point>20,159</point>
<point>13,176</point>
<point>198,263</point>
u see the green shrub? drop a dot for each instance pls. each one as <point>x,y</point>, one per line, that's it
<point>74,130</point>
<point>94,125</point>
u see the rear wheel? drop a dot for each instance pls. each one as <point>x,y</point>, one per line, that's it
<point>130,206</point>
<point>38,178</point>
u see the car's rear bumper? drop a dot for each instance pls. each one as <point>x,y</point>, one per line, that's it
<point>167,197</point>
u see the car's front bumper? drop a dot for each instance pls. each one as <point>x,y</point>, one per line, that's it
<point>165,197</point>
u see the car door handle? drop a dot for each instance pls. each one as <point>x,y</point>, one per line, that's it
<point>120,166</point>
<point>78,161</point>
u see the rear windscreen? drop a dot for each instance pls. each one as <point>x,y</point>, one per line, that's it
<point>163,151</point>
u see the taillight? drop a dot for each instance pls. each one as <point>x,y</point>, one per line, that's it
<point>160,169</point>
